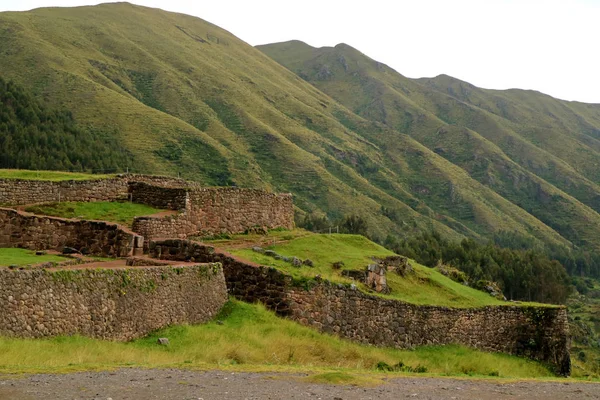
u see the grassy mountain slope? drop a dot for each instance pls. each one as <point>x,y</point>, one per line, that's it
<point>33,135</point>
<point>184,96</point>
<point>535,151</point>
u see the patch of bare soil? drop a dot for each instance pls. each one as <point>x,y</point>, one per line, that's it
<point>208,385</point>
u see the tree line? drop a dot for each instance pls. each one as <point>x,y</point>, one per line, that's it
<point>36,136</point>
<point>523,274</point>
<point>525,269</point>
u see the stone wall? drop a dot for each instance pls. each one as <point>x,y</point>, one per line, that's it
<point>116,304</point>
<point>166,198</point>
<point>23,191</point>
<point>246,281</point>
<point>202,210</point>
<point>540,333</point>
<point>221,210</point>
<point>19,229</point>
<point>170,226</point>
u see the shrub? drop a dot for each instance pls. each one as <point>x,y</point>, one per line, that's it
<point>452,273</point>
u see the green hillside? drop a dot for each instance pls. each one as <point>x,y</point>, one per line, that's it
<point>33,135</point>
<point>422,286</point>
<point>538,152</point>
<point>183,96</point>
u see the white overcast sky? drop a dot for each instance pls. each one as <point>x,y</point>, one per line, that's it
<point>550,46</point>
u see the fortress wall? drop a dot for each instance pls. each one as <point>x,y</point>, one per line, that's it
<point>23,191</point>
<point>203,210</point>
<point>233,210</point>
<point>170,226</point>
<point>115,304</point>
<point>540,333</point>
<point>166,198</point>
<point>220,210</point>
<point>246,281</point>
<point>19,229</point>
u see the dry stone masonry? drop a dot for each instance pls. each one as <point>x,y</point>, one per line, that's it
<point>540,333</point>
<point>19,229</point>
<point>124,303</point>
<point>116,304</point>
<point>212,210</point>
<point>201,210</point>
<point>168,198</point>
<point>24,191</point>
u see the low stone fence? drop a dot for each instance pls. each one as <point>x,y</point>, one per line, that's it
<point>540,333</point>
<point>20,229</point>
<point>116,304</point>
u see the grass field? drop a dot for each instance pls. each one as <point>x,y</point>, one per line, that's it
<point>13,256</point>
<point>47,175</point>
<point>252,338</point>
<point>425,286</point>
<point>119,212</point>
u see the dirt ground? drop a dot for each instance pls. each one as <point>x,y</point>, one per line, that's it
<point>208,385</point>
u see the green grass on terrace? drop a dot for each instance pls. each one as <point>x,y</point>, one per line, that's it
<point>47,175</point>
<point>426,286</point>
<point>251,338</point>
<point>13,256</point>
<point>119,212</point>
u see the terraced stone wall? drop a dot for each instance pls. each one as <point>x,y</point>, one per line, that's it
<point>116,304</point>
<point>166,198</point>
<point>218,210</point>
<point>19,229</point>
<point>540,333</point>
<point>23,191</point>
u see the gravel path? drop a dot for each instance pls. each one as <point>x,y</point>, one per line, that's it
<point>194,385</point>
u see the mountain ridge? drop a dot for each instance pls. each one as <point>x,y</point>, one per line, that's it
<point>182,96</point>
<point>457,116</point>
